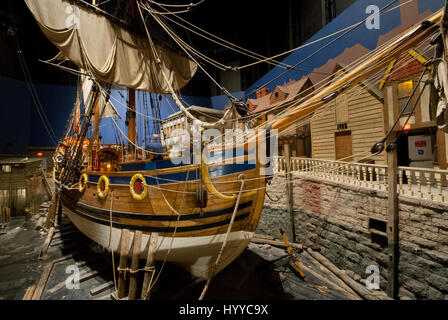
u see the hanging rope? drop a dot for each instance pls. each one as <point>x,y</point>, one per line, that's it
<point>110,240</point>
<point>258,57</point>
<point>215,265</point>
<point>319,50</point>
<point>175,229</point>
<point>190,5</point>
<point>184,47</point>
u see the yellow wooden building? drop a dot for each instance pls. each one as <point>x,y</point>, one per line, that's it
<point>346,127</point>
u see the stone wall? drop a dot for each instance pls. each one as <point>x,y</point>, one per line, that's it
<point>334,218</point>
<point>24,175</point>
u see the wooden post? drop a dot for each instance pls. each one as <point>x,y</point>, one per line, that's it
<point>58,219</point>
<point>136,250</point>
<point>131,119</point>
<point>149,263</point>
<point>289,197</point>
<point>392,225</point>
<point>52,212</point>
<point>47,242</point>
<point>124,251</point>
<point>96,123</point>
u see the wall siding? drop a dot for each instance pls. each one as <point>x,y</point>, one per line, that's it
<point>366,122</point>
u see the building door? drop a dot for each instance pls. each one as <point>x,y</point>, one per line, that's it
<point>343,142</point>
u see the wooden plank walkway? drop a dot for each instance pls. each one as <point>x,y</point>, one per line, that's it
<point>261,272</point>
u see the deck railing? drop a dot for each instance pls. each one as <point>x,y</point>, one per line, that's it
<point>422,183</point>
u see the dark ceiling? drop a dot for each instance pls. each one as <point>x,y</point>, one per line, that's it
<point>258,25</point>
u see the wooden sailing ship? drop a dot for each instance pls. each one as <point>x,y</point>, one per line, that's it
<point>115,188</point>
<point>199,208</point>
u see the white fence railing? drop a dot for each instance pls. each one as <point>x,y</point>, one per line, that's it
<point>413,182</point>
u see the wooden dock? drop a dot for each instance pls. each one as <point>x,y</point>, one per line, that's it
<point>265,271</point>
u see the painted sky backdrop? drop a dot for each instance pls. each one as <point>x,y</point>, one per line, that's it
<point>361,35</point>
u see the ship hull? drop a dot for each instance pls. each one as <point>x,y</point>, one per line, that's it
<point>187,236</point>
<point>195,254</point>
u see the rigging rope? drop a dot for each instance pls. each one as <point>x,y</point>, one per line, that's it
<point>183,47</point>
<point>260,58</point>
<point>110,240</point>
<point>178,5</point>
<point>175,228</point>
<point>319,50</point>
<point>40,110</point>
<point>297,124</point>
<point>224,244</point>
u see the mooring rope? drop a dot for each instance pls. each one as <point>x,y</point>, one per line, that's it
<point>215,266</point>
<point>150,286</point>
<point>110,240</point>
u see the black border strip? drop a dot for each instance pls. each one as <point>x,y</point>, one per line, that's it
<point>153,217</point>
<point>161,229</point>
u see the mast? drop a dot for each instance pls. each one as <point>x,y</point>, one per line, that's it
<point>77,120</point>
<point>96,124</point>
<point>131,120</point>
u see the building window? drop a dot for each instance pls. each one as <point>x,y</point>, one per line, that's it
<point>275,95</point>
<point>404,92</point>
<point>342,126</point>
<point>341,112</point>
<point>6,168</point>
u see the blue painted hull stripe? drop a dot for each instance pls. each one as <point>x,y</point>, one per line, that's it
<point>167,163</point>
<point>215,172</point>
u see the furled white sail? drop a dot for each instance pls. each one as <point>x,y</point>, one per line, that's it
<point>107,51</point>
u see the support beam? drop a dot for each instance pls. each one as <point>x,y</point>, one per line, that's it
<point>289,197</point>
<point>96,124</point>
<point>131,119</point>
<point>52,211</point>
<point>124,252</point>
<point>47,242</point>
<point>102,288</point>
<point>136,250</point>
<point>392,224</point>
<point>150,259</point>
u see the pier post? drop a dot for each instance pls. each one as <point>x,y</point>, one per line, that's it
<point>124,251</point>
<point>392,223</point>
<point>289,199</point>
<point>149,271</point>
<point>133,280</point>
<point>52,212</point>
